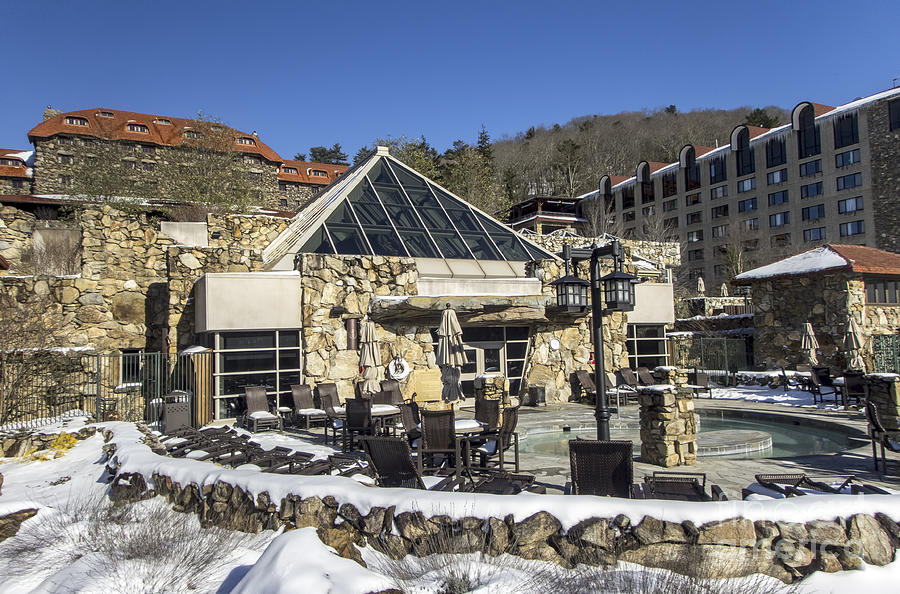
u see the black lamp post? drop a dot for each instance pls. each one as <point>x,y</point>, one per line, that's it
<point>617,290</point>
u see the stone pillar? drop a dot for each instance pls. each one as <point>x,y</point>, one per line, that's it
<point>492,387</point>
<point>884,393</point>
<point>668,426</point>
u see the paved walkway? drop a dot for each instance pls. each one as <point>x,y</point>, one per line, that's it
<point>732,475</point>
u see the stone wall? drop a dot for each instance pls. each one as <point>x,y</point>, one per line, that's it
<point>667,253</point>
<point>884,393</point>
<point>245,231</point>
<point>10,186</point>
<point>732,547</point>
<point>295,195</point>
<point>16,230</point>
<point>884,153</point>
<point>668,426</point>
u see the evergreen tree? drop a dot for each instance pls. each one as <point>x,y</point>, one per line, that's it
<point>299,156</point>
<point>760,117</point>
<point>330,156</point>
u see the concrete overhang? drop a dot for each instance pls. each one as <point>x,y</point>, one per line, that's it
<point>247,301</point>
<point>489,309</point>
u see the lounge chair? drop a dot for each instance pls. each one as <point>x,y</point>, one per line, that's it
<point>487,412</point>
<point>627,377</point>
<point>586,382</point>
<point>645,377</point>
<point>680,486</point>
<point>391,462</point>
<point>600,468</point>
<point>793,382</point>
<point>879,435</point>
<point>258,414</point>
<point>799,484</point>
<point>493,444</point>
<point>621,391</point>
<point>439,441</point>
<point>698,381</point>
<point>304,408</point>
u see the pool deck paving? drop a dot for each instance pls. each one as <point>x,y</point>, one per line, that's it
<point>730,474</point>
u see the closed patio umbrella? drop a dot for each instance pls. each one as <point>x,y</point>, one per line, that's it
<point>369,357</point>
<point>723,290</point>
<point>701,286</point>
<point>853,343</point>
<point>451,355</point>
<point>809,344</point>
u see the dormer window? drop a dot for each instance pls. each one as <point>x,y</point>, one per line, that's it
<point>245,140</point>
<point>289,169</point>
<point>75,121</point>
<point>163,121</point>
<point>319,173</point>
<point>192,134</point>
<point>216,128</point>
<point>138,128</point>
<point>10,162</point>
<point>107,114</point>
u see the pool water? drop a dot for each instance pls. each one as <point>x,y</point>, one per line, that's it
<point>788,439</point>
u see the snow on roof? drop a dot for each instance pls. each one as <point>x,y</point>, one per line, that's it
<point>815,260</point>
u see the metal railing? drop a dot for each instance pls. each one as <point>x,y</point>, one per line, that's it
<point>718,356</point>
<point>42,387</point>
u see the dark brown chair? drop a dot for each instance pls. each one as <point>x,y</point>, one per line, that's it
<point>600,468</point>
<point>487,412</point>
<point>438,445</point>
<point>392,389</point>
<point>819,390</point>
<point>408,417</point>
<point>855,387</point>
<point>357,422</point>
<point>586,382</point>
<point>258,415</point>
<point>645,377</point>
<point>493,444</point>
<point>627,377</point>
<point>391,461</point>
<point>679,486</point>
<point>823,374</point>
<point>304,408</point>
<point>698,381</point>
<point>879,435</point>
<point>328,402</point>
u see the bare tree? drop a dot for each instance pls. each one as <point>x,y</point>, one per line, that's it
<point>600,219</point>
<point>654,226</point>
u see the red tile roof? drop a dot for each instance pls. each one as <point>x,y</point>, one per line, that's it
<point>756,131</point>
<point>868,260</point>
<point>116,127</point>
<point>820,109</point>
<point>656,165</point>
<point>699,149</point>
<point>617,179</point>
<point>305,169</point>
<point>19,171</point>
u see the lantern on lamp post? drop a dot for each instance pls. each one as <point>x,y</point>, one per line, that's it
<point>571,291</point>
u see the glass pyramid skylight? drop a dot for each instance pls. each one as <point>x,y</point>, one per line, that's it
<point>384,208</point>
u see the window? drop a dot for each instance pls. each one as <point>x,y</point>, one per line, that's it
<point>695,273</point>
<point>628,216</point>
<point>812,213</point>
<point>850,205</point>
<point>693,218</point>
<point>882,291</point>
<point>18,184</point>
<point>852,228</point>
<point>163,121</point>
<point>780,240</point>
<point>289,169</point>
<point>648,211</point>
<point>694,255</point>
<point>107,114</point>
<point>777,177</point>
<point>255,176</point>
<point>129,164</point>
<point>720,270</point>
<point>720,211</point>
<point>811,168</point>
<point>719,231</point>
<point>776,154</point>
<point>246,140</point>
<point>10,162</point>
<point>648,194</point>
<point>814,234</point>
<point>718,192</point>
<point>744,161</point>
<point>846,130</point>
<point>282,202</point>
<point>670,182</point>
<point>670,205</point>
<point>894,114</point>
<point>66,159</point>
<point>810,190</point>
<point>75,121</point>
<point>193,134</point>
<point>750,224</point>
<point>628,197</point>
<point>148,166</point>
<point>695,236</point>
<point>65,180</point>
<point>779,219</point>
<point>671,223</point>
<point>692,199</point>
<point>692,177</point>
<point>253,159</point>
<point>646,346</point>
<point>747,205</point>
<point>320,173</point>
<point>778,197</point>
<point>138,128</point>
<point>846,158</point>
<point>282,186</point>
<point>66,141</point>
<point>809,141</point>
<point>148,149</point>
<point>717,172</point>
<point>849,181</point>
<point>745,185</point>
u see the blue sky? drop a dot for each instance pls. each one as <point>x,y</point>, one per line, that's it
<point>305,74</point>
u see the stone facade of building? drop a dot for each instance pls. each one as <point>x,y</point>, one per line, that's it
<point>14,185</point>
<point>884,148</point>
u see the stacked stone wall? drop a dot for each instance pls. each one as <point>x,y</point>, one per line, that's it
<point>254,232</point>
<point>667,253</point>
<point>11,186</point>
<point>296,195</point>
<point>884,153</point>
<point>884,393</point>
<point>668,426</point>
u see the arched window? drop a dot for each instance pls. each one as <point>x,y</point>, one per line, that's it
<point>688,160</point>
<point>642,174</point>
<point>743,154</point>
<point>803,121</point>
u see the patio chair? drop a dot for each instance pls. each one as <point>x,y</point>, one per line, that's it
<point>678,486</point>
<point>493,444</point>
<point>391,462</point>
<point>304,408</point>
<point>799,484</point>
<point>627,378</point>
<point>328,403</point>
<point>645,377</point>
<point>793,381</point>
<point>358,422</point>
<point>621,391</point>
<point>258,415</point>
<point>505,483</point>
<point>487,412</point>
<point>408,414</point>
<point>821,390</point>
<point>823,374</point>
<point>438,441</point>
<point>392,388</point>
<point>855,386</point>
<point>878,434</point>
<point>600,468</point>
<point>586,382</point>
<point>698,381</point>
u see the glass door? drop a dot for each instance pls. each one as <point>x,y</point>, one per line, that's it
<point>484,358</point>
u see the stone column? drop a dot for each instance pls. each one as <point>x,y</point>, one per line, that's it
<point>668,426</point>
<point>884,393</point>
<point>492,387</point>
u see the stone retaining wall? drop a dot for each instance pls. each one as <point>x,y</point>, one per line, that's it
<point>734,547</point>
<point>884,392</point>
<point>668,426</point>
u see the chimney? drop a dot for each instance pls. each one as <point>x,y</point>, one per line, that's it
<point>51,113</point>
